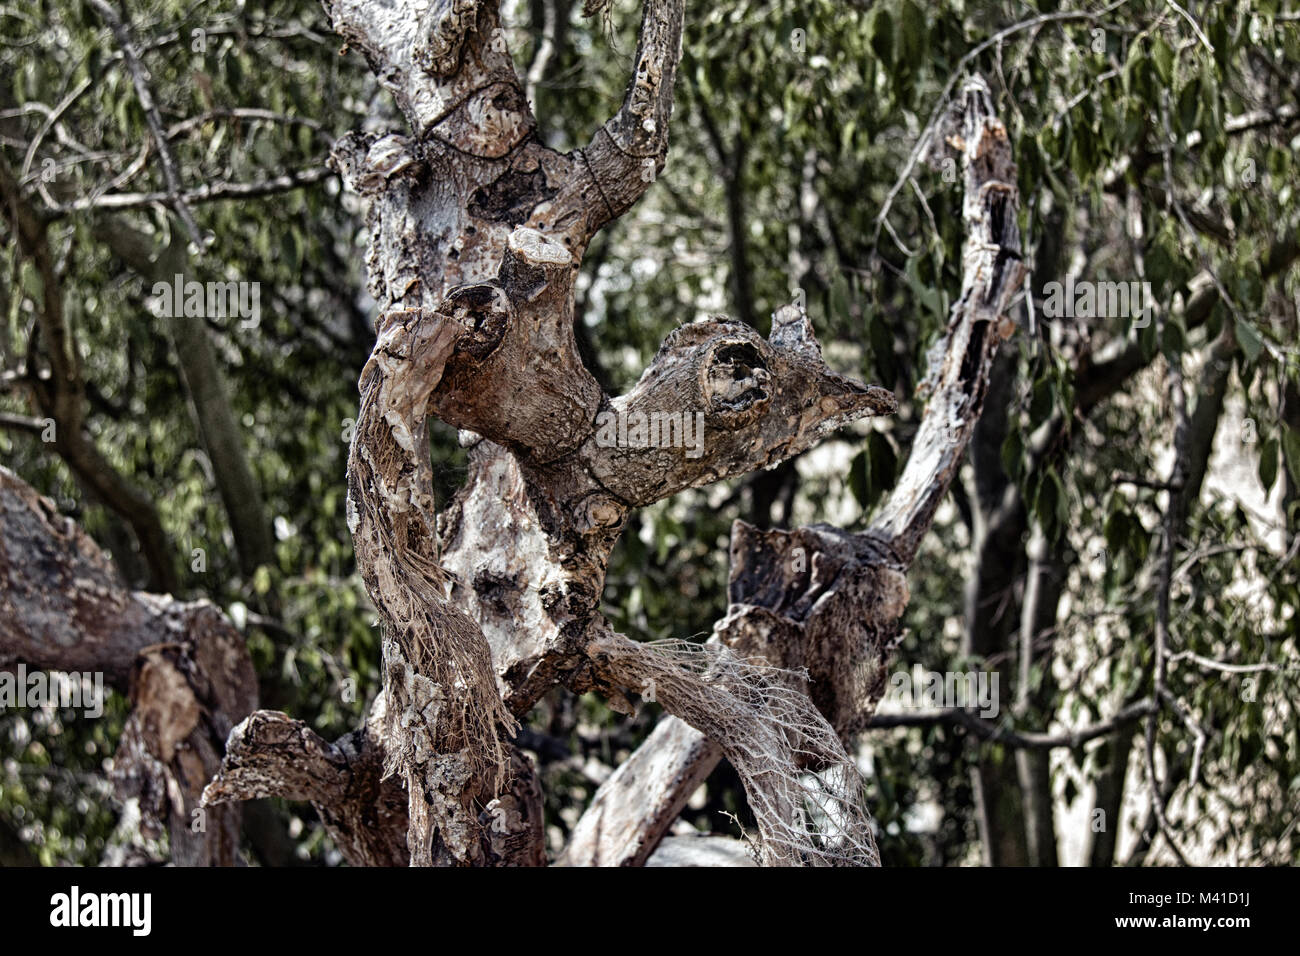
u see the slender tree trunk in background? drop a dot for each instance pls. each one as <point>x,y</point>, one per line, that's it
<point>1014,806</point>
<point>1109,799</point>
<point>60,395</point>
<point>1194,444</point>
<point>214,418</point>
<point>1291,492</point>
<point>991,615</point>
<point>1044,584</point>
<point>222,439</point>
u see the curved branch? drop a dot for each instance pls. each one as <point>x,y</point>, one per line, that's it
<point>271,755</point>
<point>995,733</point>
<point>171,172</point>
<point>630,150</point>
<point>60,395</point>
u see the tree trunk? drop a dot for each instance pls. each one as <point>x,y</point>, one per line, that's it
<point>478,230</point>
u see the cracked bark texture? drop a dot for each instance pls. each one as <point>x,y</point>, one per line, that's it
<point>477,233</point>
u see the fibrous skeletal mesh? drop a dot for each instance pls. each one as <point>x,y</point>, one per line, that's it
<point>806,793</point>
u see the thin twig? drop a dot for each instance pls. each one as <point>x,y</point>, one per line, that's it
<point>210,193</point>
<point>171,175</point>
<point>995,733</point>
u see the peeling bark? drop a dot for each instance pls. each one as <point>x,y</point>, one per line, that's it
<point>269,754</point>
<point>477,233</point>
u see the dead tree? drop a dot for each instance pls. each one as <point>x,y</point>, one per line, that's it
<point>478,231</point>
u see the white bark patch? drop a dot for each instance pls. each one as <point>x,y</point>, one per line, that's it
<point>401,434</point>
<point>531,246</point>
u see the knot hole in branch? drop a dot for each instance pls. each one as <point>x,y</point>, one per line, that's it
<point>736,382</point>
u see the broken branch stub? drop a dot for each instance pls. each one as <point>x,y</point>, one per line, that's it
<point>756,403</point>
<point>271,755</point>
<point>626,155</point>
<point>514,375</point>
<point>364,812</point>
<point>959,362</point>
<point>528,538</point>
